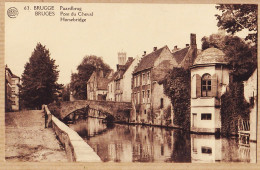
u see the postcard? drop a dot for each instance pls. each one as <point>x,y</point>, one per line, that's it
<point>131,83</point>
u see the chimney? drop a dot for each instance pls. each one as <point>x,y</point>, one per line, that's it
<point>144,53</point>
<point>187,45</point>
<point>193,40</point>
<point>175,47</point>
<point>130,58</point>
<point>154,48</point>
<point>101,74</point>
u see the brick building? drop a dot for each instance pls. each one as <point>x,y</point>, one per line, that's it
<point>15,92</point>
<point>150,104</point>
<point>12,85</point>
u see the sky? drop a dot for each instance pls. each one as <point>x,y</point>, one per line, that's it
<point>131,28</point>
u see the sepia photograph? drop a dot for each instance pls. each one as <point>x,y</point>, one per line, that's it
<point>131,83</point>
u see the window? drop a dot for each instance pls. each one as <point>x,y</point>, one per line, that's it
<point>143,96</point>
<point>144,79</point>
<point>206,116</point>
<point>161,104</point>
<point>148,96</point>
<point>140,79</point>
<point>13,90</point>
<point>194,147</point>
<point>206,150</point>
<point>148,76</point>
<point>137,81</point>
<point>134,98</point>
<point>138,98</point>
<point>194,119</point>
<point>206,85</point>
<point>118,85</point>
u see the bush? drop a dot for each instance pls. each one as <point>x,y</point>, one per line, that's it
<point>177,88</point>
<point>233,108</point>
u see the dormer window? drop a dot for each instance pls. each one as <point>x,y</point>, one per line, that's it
<point>206,85</point>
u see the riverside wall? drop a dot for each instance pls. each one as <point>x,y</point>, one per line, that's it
<point>76,148</point>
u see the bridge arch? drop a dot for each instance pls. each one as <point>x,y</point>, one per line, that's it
<point>120,111</point>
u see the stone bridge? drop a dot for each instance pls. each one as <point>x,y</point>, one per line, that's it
<point>119,110</point>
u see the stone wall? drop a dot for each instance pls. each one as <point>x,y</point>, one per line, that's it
<point>76,148</point>
<point>119,110</point>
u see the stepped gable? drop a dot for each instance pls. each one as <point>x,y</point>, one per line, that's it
<point>211,56</point>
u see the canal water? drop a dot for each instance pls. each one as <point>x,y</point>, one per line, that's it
<point>137,143</point>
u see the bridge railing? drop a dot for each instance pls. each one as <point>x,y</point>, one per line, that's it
<point>48,116</point>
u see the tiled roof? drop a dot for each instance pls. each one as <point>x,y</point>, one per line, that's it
<point>148,60</point>
<point>126,66</point>
<point>102,83</point>
<point>211,55</point>
<point>121,70</point>
<point>180,54</point>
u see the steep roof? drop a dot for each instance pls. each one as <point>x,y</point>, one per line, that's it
<point>123,68</point>
<point>180,54</point>
<point>8,69</point>
<point>15,76</point>
<point>211,55</point>
<point>148,60</point>
<point>102,83</point>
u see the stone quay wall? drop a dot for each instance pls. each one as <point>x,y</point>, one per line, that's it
<point>76,148</point>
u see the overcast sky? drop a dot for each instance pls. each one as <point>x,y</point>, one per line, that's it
<point>132,28</point>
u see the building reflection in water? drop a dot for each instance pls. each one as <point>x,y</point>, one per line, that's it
<point>209,149</point>
<point>128,143</point>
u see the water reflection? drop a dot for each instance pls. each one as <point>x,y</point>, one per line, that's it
<point>128,143</point>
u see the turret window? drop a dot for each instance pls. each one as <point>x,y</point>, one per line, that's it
<point>206,85</point>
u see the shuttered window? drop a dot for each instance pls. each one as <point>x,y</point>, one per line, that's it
<point>206,85</point>
<point>198,86</point>
<point>193,87</point>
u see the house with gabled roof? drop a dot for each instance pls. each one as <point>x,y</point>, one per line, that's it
<point>12,89</point>
<point>119,86</point>
<point>97,85</point>
<point>149,103</point>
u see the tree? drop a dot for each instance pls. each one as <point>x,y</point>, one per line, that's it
<point>79,80</point>
<point>242,56</point>
<point>39,79</point>
<point>65,93</point>
<point>236,17</point>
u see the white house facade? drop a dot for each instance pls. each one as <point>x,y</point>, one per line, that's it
<point>209,80</point>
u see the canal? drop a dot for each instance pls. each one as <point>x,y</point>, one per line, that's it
<point>137,143</point>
